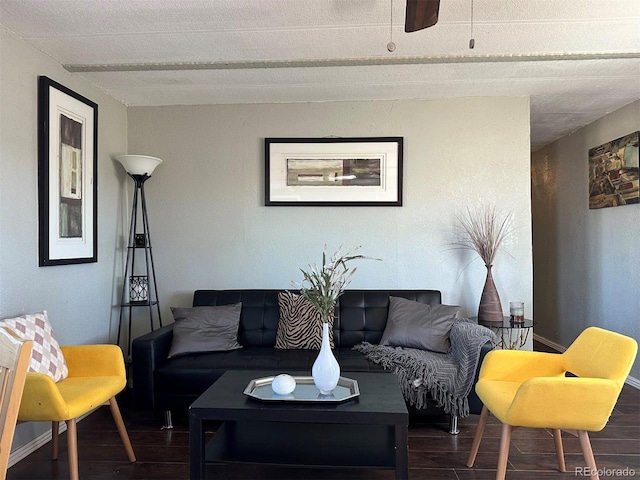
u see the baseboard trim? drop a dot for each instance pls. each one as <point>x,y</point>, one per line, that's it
<point>632,381</point>
<point>556,346</point>
<point>28,448</point>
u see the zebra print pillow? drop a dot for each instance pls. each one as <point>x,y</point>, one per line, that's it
<point>300,325</point>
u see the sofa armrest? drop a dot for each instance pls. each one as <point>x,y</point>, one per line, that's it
<point>475,404</point>
<point>470,341</point>
<point>148,352</point>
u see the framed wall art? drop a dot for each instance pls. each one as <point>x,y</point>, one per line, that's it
<point>613,172</point>
<point>364,171</point>
<point>67,175</point>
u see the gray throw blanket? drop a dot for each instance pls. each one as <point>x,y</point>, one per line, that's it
<point>446,377</point>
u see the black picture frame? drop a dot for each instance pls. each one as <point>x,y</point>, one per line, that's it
<point>342,171</point>
<point>67,176</point>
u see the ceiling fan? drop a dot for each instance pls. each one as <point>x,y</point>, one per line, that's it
<point>421,14</point>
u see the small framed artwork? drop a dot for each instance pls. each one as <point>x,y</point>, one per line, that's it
<point>613,172</point>
<point>363,171</point>
<point>67,175</point>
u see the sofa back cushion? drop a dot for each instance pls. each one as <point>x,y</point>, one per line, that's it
<point>259,316</point>
<point>361,315</point>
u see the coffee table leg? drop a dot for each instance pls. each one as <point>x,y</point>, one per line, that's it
<point>196,448</point>
<point>402,452</point>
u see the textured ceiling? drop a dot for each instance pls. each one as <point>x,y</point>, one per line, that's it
<point>577,59</point>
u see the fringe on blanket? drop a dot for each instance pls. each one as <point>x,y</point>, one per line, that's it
<point>447,378</point>
<point>417,386</point>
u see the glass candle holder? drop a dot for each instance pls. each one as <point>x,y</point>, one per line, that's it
<point>516,310</point>
<point>139,289</point>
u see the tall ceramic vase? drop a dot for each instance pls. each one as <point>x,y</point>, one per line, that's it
<point>325,371</point>
<point>490,308</point>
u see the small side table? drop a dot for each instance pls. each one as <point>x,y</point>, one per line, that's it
<point>512,335</point>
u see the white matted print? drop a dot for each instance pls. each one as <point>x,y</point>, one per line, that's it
<point>67,187</point>
<point>333,171</point>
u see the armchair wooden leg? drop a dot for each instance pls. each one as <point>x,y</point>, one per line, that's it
<point>72,447</point>
<point>503,456</point>
<point>55,433</point>
<point>557,438</point>
<point>117,417</point>
<point>587,453</point>
<point>475,446</point>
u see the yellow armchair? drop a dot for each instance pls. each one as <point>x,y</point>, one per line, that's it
<point>96,375</point>
<point>532,389</point>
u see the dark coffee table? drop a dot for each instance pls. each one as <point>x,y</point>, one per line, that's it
<point>369,431</point>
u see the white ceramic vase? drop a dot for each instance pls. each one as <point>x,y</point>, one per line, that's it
<point>325,371</point>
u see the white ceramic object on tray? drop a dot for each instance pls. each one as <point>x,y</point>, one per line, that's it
<point>283,384</point>
<point>306,390</point>
<point>325,371</point>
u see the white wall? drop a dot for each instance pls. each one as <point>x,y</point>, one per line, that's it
<point>587,262</point>
<point>211,229</point>
<point>78,298</point>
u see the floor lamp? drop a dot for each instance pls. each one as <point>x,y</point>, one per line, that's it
<point>139,290</point>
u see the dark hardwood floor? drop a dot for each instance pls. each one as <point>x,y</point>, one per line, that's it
<point>433,453</point>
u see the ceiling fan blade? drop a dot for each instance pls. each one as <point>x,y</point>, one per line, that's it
<point>421,14</point>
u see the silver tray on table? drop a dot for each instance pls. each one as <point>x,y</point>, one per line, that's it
<point>305,391</point>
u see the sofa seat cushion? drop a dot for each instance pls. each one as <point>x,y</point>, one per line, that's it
<point>196,372</point>
<point>353,361</point>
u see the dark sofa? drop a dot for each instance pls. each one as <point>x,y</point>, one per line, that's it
<point>164,384</point>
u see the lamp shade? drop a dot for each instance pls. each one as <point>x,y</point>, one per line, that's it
<point>139,164</point>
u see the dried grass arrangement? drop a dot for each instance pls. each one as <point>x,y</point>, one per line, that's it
<point>484,232</point>
<point>323,284</point>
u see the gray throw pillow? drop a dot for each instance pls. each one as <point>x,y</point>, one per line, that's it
<point>417,325</point>
<point>205,329</point>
